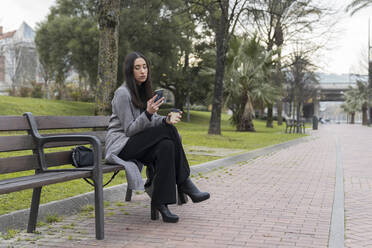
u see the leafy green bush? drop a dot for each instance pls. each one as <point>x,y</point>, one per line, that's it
<point>37,90</point>
<point>24,91</point>
<point>76,93</point>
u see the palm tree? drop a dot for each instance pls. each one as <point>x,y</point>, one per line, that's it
<point>357,100</point>
<point>362,92</point>
<point>350,109</point>
<point>363,89</point>
<point>247,82</point>
<point>353,103</point>
<point>301,82</point>
<point>357,5</point>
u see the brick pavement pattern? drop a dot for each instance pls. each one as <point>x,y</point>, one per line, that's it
<point>283,199</point>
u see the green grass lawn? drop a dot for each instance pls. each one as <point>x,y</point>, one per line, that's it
<point>193,134</point>
<point>18,105</point>
<point>196,133</point>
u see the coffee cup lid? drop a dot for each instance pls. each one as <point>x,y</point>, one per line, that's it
<point>175,110</point>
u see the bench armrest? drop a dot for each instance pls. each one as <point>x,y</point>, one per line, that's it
<point>42,140</point>
<point>94,141</point>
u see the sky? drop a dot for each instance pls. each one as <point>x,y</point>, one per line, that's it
<point>349,53</point>
<point>345,56</point>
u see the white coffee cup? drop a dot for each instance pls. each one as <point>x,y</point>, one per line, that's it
<point>175,113</point>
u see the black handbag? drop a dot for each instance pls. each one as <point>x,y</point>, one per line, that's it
<point>82,156</point>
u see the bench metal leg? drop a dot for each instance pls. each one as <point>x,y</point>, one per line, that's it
<point>128,195</point>
<point>34,210</point>
<point>99,214</point>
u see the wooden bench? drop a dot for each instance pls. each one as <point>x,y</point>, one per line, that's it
<point>289,124</point>
<point>301,126</point>
<point>39,161</point>
<point>294,126</point>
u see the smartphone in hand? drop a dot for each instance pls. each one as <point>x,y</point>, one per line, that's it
<point>159,94</point>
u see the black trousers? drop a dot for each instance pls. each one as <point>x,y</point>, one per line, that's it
<point>160,146</point>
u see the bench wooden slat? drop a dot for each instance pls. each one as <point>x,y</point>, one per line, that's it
<point>25,142</point>
<point>37,180</point>
<point>30,162</point>
<point>13,123</point>
<point>19,123</point>
<point>66,122</point>
<point>15,164</point>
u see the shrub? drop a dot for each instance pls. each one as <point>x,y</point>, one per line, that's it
<point>76,93</point>
<point>37,90</point>
<point>11,91</point>
<point>24,91</point>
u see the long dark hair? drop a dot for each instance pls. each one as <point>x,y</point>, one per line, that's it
<point>131,82</point>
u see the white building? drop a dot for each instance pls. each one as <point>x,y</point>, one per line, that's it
<point>19,65</point>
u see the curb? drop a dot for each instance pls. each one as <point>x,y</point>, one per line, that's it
<point>72,205</point>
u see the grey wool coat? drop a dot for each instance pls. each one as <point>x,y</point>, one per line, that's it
<point>127,120</point>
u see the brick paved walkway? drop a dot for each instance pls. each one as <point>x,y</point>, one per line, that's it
<point>280,200</point>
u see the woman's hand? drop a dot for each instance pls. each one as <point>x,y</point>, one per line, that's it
<point>175,119</point>
<point>153,107</point>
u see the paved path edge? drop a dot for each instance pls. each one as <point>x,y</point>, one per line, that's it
<point>72,205</point>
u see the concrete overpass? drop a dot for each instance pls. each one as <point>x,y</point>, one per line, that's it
<point>332,88</point>
<point>331,92</point>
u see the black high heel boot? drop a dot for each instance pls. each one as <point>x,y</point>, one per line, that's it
<point>165,213</point>
<point>189,188</point>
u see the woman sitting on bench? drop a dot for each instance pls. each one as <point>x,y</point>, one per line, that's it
<point>137,132</point>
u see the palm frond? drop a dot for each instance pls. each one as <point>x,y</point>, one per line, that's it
<point>357,5</point>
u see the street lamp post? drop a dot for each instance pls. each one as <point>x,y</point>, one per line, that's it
<point>369,74</point>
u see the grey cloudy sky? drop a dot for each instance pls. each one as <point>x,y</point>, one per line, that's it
<point>14,12</point>
<point>345,55</point>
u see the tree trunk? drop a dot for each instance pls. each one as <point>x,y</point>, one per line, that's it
<point>46,87</point>
<point>369,121</point>
<point>188,107</point>
<point>246,121</point>
<point>179,100</point>
<point>279,104</point>
<point>261,112</point>
<point>298,117</point>
<point>280,110</point>
<point>269,121</point>
<point>109,11</point>
<point>222,40</point>
<point>364,114</point>
<point>186,76</point>
<point>352,121</point>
